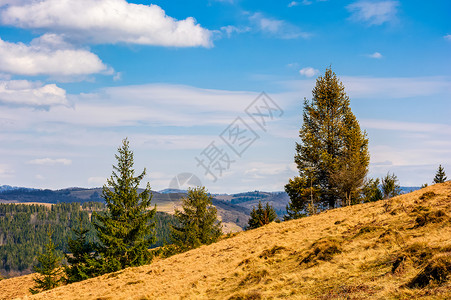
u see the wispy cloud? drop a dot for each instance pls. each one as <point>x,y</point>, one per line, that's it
<point>396,87</point>
<point>5,172</point>
<point>107,21</point>
<point>50,161</point>
<point>308,72</point>
<point>277,28</point>
<point>373,12</point>
<point>447,37</point>
<point>48,55</point>
<point>376,55</point>
<point>230,29</point>
<point>406,126</point>
<point>23,92</point>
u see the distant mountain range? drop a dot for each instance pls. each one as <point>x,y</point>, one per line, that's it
<point>233,208</point>
<point>4,188</point>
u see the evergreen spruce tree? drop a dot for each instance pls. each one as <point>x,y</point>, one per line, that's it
<point>48,268</point>
<point>198,221</point>
<point>440,176</point>
<point>125,229</point>
<point>390,186</point>
<point>332,157</point>
<point>261,215</point>
<point>82,259</point>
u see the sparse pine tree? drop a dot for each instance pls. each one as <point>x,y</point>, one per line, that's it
<point>48,268</point>
<point>371,191</point>
<point>390,186</point>
<point>261,215</point>
<point>332,157</point>
<point>198,221</point>
<point>125,229</point>
<point>440,176</point>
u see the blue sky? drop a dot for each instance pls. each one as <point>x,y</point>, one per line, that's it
<point>182,80</point>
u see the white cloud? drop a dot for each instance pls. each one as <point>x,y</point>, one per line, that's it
<point>309,72</point>
<point>373,12</point>
<point>230,29</point>
<point>152,104</point>
<point>447,37</point>
<point>97,181</point>
<point>48,55</point>
<point>5,172</point>
<point>395,87</point>
<point>293,3</point>
<point>376,55</point>
<point>277,28</point>
<point>50,161</point>
<point>23,92</point>
<point>406,126</point>
<point>107,21</point>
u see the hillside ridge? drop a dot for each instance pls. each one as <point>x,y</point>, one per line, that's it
<point>375,250</point>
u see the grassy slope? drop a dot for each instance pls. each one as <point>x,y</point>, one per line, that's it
<point>279,260</point>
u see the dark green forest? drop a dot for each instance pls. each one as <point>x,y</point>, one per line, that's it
<point>23,231</point>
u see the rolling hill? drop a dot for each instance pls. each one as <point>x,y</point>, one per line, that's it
<point>391,249</point>
<point>234,217</point>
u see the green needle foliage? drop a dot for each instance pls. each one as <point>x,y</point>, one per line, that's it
<point>371,191</point>
<point>390,186</point>
<point>261,215</point>
<point>83,264</point>
<point>332,157</point>
<point>198,221</point>
<point>48,268</point>
<point>440,176</point>
<point>125,229</point>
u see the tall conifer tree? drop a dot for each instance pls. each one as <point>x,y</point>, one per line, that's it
<point>125,230</point>
<point>332,156</point>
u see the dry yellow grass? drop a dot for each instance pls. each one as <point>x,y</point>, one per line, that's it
<point>367,251</point>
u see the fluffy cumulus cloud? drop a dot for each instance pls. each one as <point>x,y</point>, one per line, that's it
<point>48,55</point>
<point>308,72</point>
<point>373,12</point>
<point>50,161</point>
<point>23,92</point>
<point>107,21</point>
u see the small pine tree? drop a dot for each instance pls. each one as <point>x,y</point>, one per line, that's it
<point>49,268</point>
<point>261,215</point>
<point>371,191</point>
<point>440,176</point>
<point>198,221</point>
<point>125,229</point>
<point>82,260</point>
<point>390,186</point>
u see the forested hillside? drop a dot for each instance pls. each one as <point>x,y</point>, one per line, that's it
<point>23,231</point>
